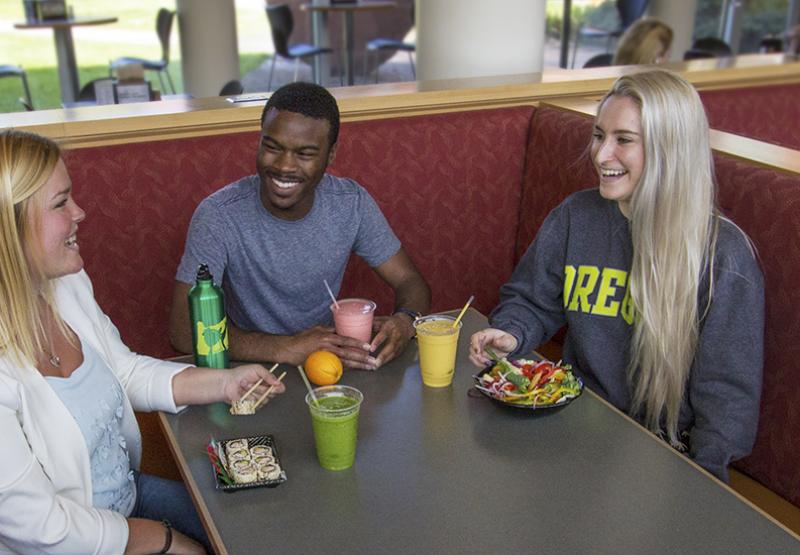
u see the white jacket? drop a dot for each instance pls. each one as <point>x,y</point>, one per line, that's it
<point>45,477</point>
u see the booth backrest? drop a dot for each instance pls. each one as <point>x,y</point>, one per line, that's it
<point>765,203</point>
<point>138,200</point>
<point>557,165</point>
<point>770,113</point>
<point>448,183</point>
<point>450,186</point>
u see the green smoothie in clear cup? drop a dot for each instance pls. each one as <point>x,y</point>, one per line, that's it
<point>334,417</point>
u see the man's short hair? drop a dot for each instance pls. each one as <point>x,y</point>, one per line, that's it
<point>307,99</point>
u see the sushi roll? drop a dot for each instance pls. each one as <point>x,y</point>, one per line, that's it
<point>260,451</point>
<point>243,472</point>
<point>269,472</point>
<point>263,460</point>
<point>236,444</point>
<point>238,455</point>
<point>246,406</point>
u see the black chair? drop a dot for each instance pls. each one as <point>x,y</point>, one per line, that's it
<point>164,20</point>
<point>628,10</point>
<point>282,24</point>
<point>375,46</point>
<point>696,54</point>
<point>231,88</point>
<point>770,44</point>
<point>714,46</point>
<point>16,71</point>
<point>600,60</point>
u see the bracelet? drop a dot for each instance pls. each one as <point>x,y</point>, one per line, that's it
<point>408,312</point>
<point>168,540</point>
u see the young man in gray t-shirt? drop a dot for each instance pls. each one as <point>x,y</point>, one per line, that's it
<point>271,240</point>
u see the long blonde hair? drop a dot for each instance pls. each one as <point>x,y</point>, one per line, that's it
<point>644,42</point>
<point>26,163</point>
<point>674,225</point>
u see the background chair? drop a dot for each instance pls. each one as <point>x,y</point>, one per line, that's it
<point>628,10</point>
<point>164,20</point>
<point>600,60</point>
<point>281,23</point>
<point>696,54</point>
<point>231,88</point>
<point>375,46</point>
<point>714,46</point>
<point>16,71</point>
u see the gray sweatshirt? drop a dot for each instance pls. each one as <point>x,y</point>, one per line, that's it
<point>576,273</point>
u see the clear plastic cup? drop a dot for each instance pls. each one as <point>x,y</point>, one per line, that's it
<point>437,340</point>
<point>334,418</point>
<point>353,318</point>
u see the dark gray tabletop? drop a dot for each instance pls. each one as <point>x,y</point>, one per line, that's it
<point>438,470</point>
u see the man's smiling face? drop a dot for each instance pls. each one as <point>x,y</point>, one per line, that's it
<point>292,158</point>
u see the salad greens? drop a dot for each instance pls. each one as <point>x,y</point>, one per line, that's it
<point>530,382</point>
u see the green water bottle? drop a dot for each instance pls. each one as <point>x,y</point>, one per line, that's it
<point>209,324</point>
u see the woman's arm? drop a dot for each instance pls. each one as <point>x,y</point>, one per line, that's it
<point>198,386</point>
<point>725,383</point>
<point>149,536</point>
<point>531,307</point>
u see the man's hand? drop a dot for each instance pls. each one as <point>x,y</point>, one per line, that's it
<point>394,333</point>
<point>353,352</point>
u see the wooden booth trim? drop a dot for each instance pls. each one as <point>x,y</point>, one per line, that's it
<point>173,119</point>
<point>760,153</point>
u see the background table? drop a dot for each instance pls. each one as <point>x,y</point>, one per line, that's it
<point>348,9</point>
<point>65,49</point>
<point>438,470</point>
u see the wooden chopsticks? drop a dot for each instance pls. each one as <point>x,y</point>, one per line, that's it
<point>258,383</point>
<point>266,393</point>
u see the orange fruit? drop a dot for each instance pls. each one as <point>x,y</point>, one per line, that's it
<point>323,368</point>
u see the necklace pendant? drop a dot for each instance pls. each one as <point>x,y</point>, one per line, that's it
<point>55,360</point>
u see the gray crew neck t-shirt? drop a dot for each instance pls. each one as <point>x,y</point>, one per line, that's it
<point>272,270</point>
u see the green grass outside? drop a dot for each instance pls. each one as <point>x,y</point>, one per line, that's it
<point>133,35</point>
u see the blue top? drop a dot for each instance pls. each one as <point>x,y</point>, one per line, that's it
<point>272,270</point>
<point>94,397</point>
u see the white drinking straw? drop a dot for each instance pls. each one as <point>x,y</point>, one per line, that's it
<point>308,385</point>
<point>328,287</point>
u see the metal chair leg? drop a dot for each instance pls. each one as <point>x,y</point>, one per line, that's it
<point>161,81</point>
<point>169,80</point>
<point>271,70</point>
<point>411,61</point>
<point>27,89</point>
<point>575,46</point>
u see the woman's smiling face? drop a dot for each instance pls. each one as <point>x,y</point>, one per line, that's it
<point>618,150</point>
<point>54,222</point>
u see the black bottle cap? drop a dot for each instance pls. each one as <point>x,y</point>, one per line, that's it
<point>203,273</point>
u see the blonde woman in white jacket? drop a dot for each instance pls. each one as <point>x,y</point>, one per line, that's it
<point>68,471</point>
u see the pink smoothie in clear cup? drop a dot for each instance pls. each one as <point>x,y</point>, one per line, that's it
<point>353,318</point>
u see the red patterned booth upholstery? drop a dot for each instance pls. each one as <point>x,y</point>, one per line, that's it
<point>765,203</point>
<point>768,113</point>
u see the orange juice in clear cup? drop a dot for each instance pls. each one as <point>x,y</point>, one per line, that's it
<point>437,340</point>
